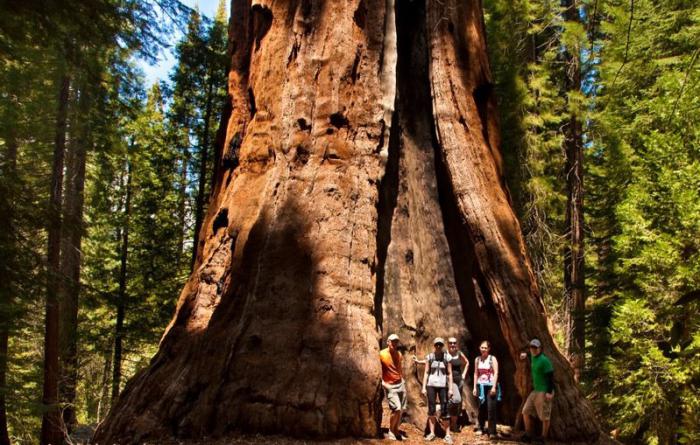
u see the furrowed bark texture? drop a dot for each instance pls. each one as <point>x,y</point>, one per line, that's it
<point>282,302</point>
<point>358,192</point>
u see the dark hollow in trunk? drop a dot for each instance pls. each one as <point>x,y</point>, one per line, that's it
<point>366,197</point>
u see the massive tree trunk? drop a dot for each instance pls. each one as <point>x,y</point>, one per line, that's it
<point>51,428</point>
<point>367,198</point>
<point>574,279</point>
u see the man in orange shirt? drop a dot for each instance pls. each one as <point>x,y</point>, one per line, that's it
<point>392,382</point>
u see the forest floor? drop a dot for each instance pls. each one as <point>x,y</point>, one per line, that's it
<point>412,435</point>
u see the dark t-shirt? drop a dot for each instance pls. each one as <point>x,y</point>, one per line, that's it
<point>456,368</point>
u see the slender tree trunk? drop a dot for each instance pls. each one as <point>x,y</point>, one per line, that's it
<point>182,204</point>
<point>574,279</point>
<point>103,404</point>
<point>369,197</point>
<point>51,428</point>
<point>4,336</point>
<point>121,297</point>
<point>71,260</point>
<point>203,167</point>
<point>8,242</point>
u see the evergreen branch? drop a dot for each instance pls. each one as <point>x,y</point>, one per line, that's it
<point>627,45</point>
<point>693,59</point>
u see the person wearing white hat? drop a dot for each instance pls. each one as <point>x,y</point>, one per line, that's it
<point>539,402</point>
<point>437,383</point>
<point>393,384</point>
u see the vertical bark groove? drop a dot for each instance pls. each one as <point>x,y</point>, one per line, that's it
<point>386,205</point>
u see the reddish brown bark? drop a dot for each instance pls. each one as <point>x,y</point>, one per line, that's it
<point>51,429</point>
<point>574,278</point>
<point>368,199</point>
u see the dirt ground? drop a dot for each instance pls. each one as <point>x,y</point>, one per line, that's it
<point>411,436</point>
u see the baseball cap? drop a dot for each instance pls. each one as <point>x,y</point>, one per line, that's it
<point>393,337</point>
<point>536,343</point>
<point>438,340</point>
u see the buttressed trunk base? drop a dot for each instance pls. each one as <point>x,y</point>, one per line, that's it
<point>359,191</point>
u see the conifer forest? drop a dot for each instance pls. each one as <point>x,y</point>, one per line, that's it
<point>224,251</point>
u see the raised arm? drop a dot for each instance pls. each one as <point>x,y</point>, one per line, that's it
<point>418,361</point>
<point>425,379</point>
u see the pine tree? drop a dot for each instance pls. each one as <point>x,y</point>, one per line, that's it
<point>646,141</point>
<point>211,105</point>
<point>184,116</point>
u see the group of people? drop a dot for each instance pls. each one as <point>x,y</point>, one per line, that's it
<point>444,377</point>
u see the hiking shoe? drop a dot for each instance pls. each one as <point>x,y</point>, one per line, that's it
<point>429,437</point>
<point>448,439</point>
<point>526,438</point>
<point>390,436</point>
<point>479,433</point>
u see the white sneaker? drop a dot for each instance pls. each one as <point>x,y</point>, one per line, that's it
<point>390,436</point>
<point>429,437</point>
<point>479,433</point>
<point>448,439</point>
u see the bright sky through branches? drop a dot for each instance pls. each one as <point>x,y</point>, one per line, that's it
<point>166,59</point>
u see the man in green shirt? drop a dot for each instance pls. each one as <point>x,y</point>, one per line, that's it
<point>539,402</point>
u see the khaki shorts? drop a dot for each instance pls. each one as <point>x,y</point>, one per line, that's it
<point>396,396</point>
<point>538,405</point>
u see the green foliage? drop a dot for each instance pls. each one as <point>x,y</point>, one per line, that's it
<point>640,106</point>
<point>525,43</point>
<point>645,159</point>
<point>93,42</point>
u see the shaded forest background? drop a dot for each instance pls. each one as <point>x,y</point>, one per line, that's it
<point>104,184</point>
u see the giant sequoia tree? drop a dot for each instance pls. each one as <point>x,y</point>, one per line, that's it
<point>359,191</point>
